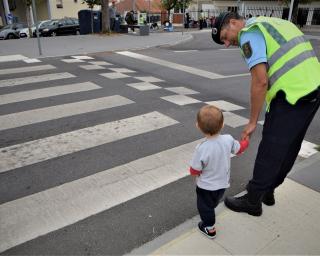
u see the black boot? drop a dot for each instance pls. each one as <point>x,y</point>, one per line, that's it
<point>242,204</point>
<point>268,198</point>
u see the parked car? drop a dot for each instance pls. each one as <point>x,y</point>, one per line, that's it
<point>66,26</point>
<point>11,31</point>
<point>46,25</point>
<point>25,31</point>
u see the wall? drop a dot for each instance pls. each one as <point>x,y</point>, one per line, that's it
<point>70,8</point>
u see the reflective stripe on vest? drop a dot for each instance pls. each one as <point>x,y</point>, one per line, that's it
<point>291,64</point>
<point>285,46</point>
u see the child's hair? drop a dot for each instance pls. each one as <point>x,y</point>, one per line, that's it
<point>210,119</point>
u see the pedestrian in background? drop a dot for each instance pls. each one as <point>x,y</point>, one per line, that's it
<point>112,15</point>
<point>211,165</point>
<point>285,72</point>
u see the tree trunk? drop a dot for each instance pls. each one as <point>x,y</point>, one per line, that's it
<point>105,16</point>
<point>294,17</point>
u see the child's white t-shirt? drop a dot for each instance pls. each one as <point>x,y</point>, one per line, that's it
<point>212,157</point>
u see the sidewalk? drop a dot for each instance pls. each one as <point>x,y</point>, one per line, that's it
<point>289,227</point>
<point>85,44</point>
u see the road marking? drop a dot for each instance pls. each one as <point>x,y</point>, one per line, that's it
<point>72,60</point>
<point>38,214</point>
<point>47,92</point>
<point>31,60</point>
<point>149,79</point>
<point>47,148</point>
<point>225,105</point>
<point>91,67</point>
<point>16,57</point>
<point>70,109</point>
<point>8,71</point>
<point>122,70</point>
<point>307,149</point>
<point>191,70</point>
<point>181,90</point>
<point>100,63</point>
<point>114,75</point>
<point>234,120</point>
<point>34,79</point>
<point>83,57</point>
<point>180,100</point>
<point>144,86</point>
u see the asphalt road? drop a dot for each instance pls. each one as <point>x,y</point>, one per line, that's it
<point>129,224</point>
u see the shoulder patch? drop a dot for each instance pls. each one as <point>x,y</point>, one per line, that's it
<point>247,50</point>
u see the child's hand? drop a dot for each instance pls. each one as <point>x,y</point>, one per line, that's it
<point>244,144</point>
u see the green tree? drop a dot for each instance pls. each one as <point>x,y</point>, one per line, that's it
<point>183,4</point>
<point>168,5</point>
<point>91,3</point>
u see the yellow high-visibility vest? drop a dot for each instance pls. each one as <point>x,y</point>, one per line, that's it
<point>292,63</point>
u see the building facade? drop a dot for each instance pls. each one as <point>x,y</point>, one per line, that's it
<point>16,10</point>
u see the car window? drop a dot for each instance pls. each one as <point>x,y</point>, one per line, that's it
<point>54,22</point>
<point>45,23</point>
<point>62,22</point>
<point>69,22</point>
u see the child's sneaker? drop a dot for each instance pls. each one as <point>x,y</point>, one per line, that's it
<point>211,233</point>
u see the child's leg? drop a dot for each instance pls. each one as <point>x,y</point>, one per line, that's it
<point>206,202</point>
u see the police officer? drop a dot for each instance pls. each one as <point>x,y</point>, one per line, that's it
<point>285,73</point>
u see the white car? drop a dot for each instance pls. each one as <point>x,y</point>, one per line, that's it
<point>25,32</point>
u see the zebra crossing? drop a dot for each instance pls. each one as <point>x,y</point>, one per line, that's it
<point>33,215</point>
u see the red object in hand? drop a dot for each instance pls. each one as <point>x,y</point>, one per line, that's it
<point>244,144</point>
<point>194,172</point>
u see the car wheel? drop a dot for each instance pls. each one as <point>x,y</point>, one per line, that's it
<point>10,36</point>
<point>53,33</point>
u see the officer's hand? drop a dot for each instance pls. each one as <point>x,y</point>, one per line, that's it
<point>248,131</point>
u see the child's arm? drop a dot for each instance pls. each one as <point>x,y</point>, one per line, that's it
<point>244,144</point>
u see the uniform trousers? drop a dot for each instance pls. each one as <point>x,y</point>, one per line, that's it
<point>207,201</point>
<point>283,132</point>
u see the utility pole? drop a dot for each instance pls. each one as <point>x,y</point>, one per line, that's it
<point>184,14</point>
<point>290,11</point>
<point>37,25</point>
<point>8,14</point>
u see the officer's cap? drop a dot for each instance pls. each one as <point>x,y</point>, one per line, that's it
<point>216,29</point>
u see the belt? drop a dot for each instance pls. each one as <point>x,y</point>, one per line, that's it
<point>312,95</point>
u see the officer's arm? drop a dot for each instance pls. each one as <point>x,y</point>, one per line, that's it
<point>259,86</point>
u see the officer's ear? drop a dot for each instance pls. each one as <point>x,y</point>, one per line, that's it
<point>232,22</point>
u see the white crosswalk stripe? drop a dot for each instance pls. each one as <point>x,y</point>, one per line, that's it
<point>15,57</point>
<point>8,71</point>
<point>34,79</point>
<point>43,149</point>
<point>47,92</point>
<point>45,114</point>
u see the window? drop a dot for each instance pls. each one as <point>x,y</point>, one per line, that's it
<point>59,4</point>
